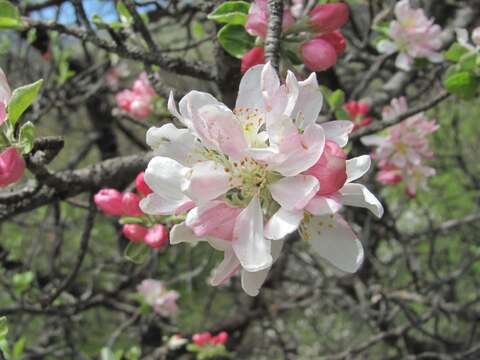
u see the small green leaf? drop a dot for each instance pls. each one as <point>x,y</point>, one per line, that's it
<point>197,30</point>
<point>235,40</point>
<point>9,16</point>
<point>341,114</point>
<point>18,347</point>
<point>231,12</point>
<point>21,99</point>
<point>462,84</point>
<point>336,99</point>
<point>26,137</point>
<point>137,252</point>
<point>122,10</point>
<point>455,52</point>
<point>107,354</point>
<point>3,327</point>
<point>22,281</point>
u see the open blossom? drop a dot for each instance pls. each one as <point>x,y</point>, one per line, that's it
<point>464,40</point>
<point>401,153</point>
<point>5,95</point>
<point>162,300</point>
<point>359,113</point>
<point>413,36</point>
<point>137,101</point>
<point>12,166</point>
<point>245,177</point>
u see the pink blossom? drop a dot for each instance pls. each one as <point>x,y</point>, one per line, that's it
<point>401,153</point>
<point>258,19</point>
<point>130,204</point>
<point>12,166</point>
<point>318,54</point>
<point>156,295</point>
<point>330,169</point>
<point>134,232</point>
<point>413,36</point>
<point>157,236</point>
<point>328,17</point>
<point>359,113</point>
<point>141,185</point>
<point>137,101</point>
<point>255,56</point>
<point>109,201</point>
<point>5,95</point>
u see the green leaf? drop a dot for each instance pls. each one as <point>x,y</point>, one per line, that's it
<point>462,84</point>
<point>197,30</point>
<point>27,135</point>
<point>107,354</point>
<point>9,16</point>
<point>137,252</point>
<point>122,10</point>
<point>22,281</point>
<point>455,52</point>
<point>231,12</point>
<point>21,99</point>
<point>336,99</point>
<point>341,114</point>
<point>17,351</point>
<point>235,40</point>
<point>3,327</point>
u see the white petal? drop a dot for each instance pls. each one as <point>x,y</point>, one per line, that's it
<point>403,62</point>
<point>155,204</point>
<point>181,233</point>
<point>333,239</point>
<point>357,167</point>
<point>309,102</point>
<point>282,223</point>
<point>249,244</point>
<point>269,83</point>
<point>207,180</point>
<point>324,205</point>
<point>338,131</point>
<point>386,47</point>
<point>373,140</point>
<point>294,192</point>
<point>358,195</point>
<point>166,177</point>
<point>5,92</point>
<point>250,92</point>
<point>169,141</point>
<point>253,281</point>
<point>228,267</point>
<point>293,90</point>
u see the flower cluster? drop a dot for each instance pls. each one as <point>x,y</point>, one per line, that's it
<point>402,152</point>
<point>137,101</point>
<point>316,34</point>
<point>413,36</point>
<point>12,165</point>
<point>244,179</point>
<point>204,338</point>
<point>359,113</point>
<point>162,300</point>
<point>113,202</point>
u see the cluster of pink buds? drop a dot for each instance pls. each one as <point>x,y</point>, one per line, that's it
<point>359,114</point>
<point>12,165</point>
<point>402,153</point>
<point>315,35</point>
<point>137,101</point>
<point>113,202</point>
<point>205,338</point>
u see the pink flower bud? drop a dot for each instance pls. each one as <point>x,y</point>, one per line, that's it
<point>157,236</point>
<point>220,339</point>
<point>202,338</point>
<point>130,204</point>
<point>141,185</point>
<point>124,99</point>
<point>134,232</point>
<point>330,169</point>
<point>363,108</point>
<point>142,86</point>
<point>109,201</point>
<point>12,166</point>
<point>336,39</point>
<point>140,108</point>
<point>255,56</point>
<point>476,36</point>
<point>258,19</point>
<point>328,17</point>
<point>318,54</point>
